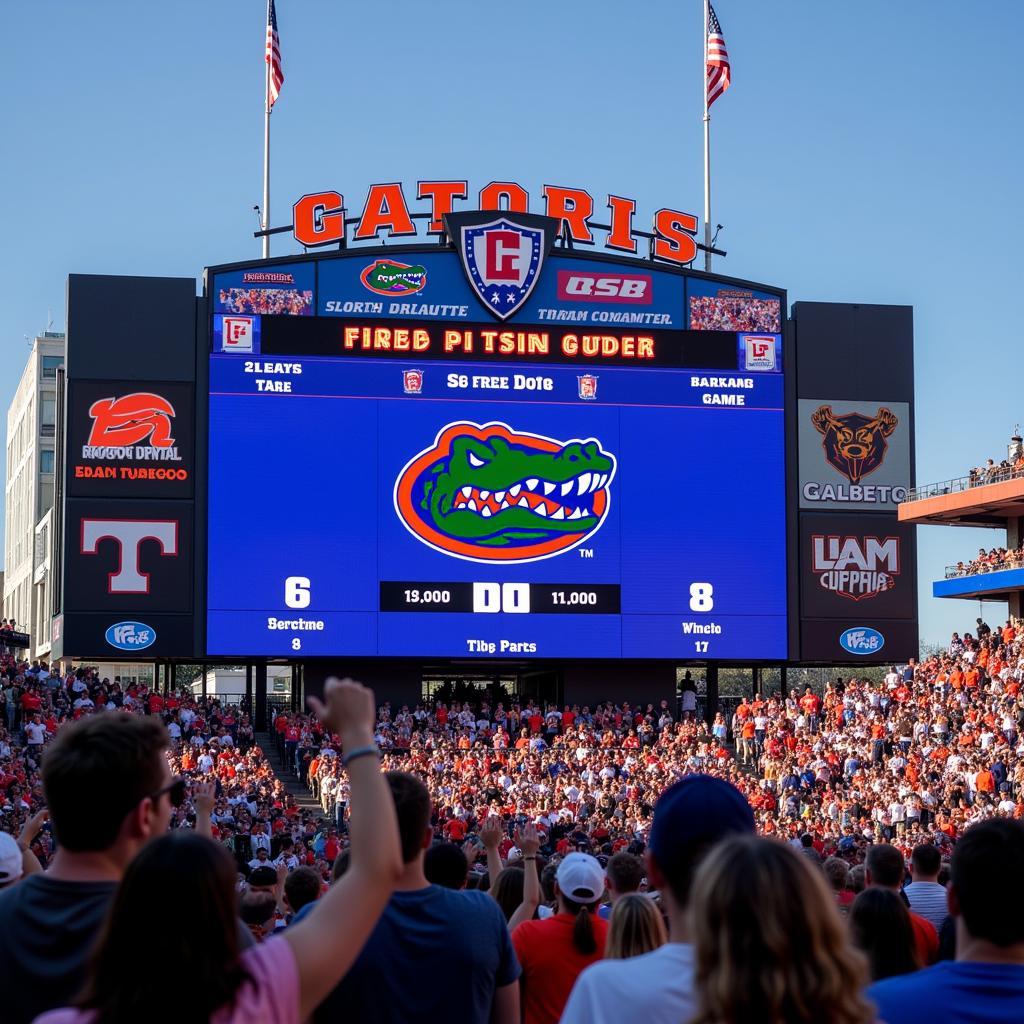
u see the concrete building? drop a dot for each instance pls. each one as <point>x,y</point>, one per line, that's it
<point>28,495</point>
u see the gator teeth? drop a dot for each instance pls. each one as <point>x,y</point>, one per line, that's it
<point>504,505</point>
<point>574,514</point>
<point>586,512</point>
<point>484,495</point>
<point>532,483</point>
<point>604,480</point>
<point>486,512</point>
<point>499,495</point>
<point>559,513</point>
<point>513,491</point>
<point>548,488</point>
<point>584,482</point>
<point>541,509</point>
<point>467,491</point>
<point>472,505</point>
<point>567,487</point>
<point>523,502</point>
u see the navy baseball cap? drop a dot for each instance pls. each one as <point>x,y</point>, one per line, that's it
<point>699,809</point>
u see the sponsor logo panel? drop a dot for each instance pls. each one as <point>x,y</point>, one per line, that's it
<point>128,556</point>
<point>857,564</point>
<point>861,641</point>
<point>853,454</point>
<point>127,439</point>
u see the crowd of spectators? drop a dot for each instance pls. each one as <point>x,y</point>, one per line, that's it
<point>288,301</point>
<point>740,312</point>
<point>992,560</point>
<point>993,472</point>
<point>549,852</point>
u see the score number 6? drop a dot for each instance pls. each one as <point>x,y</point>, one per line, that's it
<point>296,592</point>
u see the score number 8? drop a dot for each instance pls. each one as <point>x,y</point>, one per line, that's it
<point>702,597</point>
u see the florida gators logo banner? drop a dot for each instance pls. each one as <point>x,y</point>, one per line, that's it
<point>502,255</point>
<point>489,493</point>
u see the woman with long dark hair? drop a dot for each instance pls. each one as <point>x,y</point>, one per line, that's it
<point>177,908</point>
<point>771,947</point>
<point>882,930</point>
<point>553,952</point>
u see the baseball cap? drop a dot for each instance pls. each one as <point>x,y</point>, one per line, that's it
<point>697,809</point>
<point>10,859</point>
<point>580,877</point>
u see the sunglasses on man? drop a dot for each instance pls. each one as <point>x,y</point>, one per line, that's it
<point>175,791</point>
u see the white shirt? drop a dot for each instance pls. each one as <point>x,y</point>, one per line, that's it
<point>35,733</point>
<point>656,988</point>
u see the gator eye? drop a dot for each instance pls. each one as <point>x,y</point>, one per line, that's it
<point>475,462</point>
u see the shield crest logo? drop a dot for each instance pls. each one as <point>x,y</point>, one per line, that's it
<point>502,255</point>
<point>588,386</point>
<point>412,381</point>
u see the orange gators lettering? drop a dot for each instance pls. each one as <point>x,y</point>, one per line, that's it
<point>442,196</point>
<point>319,218</point>
<point>119,422</point>
<point>621,234</point>
<point>675,240</point>
<point>571,206</point>
<point>515,196</point>
<point>385,208</point>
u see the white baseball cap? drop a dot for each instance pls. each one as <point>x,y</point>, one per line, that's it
<point>10,859</point>
<point>580,877</point>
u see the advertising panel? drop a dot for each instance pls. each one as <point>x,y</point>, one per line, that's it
<point>853,455</point>
<point>284,289</point>
<point>718,306</point>
<point>435,286</point>
<point>864,641</point>
<point>857,565</point>
<point>130,439</point>
<point>128,556</point>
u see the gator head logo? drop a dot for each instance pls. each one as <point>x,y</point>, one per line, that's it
<point>120,422</point>
<point>492,494</point>
<point>854,444</point>
<point>387,277</point>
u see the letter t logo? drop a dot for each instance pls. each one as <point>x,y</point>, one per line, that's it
<point>129,535</point>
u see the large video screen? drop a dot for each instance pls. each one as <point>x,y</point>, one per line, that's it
<point>403,474</point>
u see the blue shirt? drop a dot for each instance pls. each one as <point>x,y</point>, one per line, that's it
<point>953,993</point>
<point>436,955</point>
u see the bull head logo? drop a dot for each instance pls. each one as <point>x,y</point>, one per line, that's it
<point>854,444</point>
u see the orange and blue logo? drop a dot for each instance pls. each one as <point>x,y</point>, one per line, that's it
<point>489,493</point>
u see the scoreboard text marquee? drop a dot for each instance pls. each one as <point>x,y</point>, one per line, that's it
<point>508,449</point>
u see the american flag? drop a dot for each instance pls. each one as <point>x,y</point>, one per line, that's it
<point>718,75</point>
<point>273,57</point>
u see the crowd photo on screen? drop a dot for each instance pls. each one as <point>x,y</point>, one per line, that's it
<point>852,854</point>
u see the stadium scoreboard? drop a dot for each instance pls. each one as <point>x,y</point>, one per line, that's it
<point>494,443</point>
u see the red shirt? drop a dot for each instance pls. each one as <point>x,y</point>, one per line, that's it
<point>551,963</point>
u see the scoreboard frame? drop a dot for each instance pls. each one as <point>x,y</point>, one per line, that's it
<point>829,352</point>
<point>401,252</point>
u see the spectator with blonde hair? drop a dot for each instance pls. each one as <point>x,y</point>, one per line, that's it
<point>770,944</point>
<point>636,927</point>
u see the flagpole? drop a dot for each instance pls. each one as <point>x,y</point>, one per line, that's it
<point>707,150</point>
<point>266,149</point>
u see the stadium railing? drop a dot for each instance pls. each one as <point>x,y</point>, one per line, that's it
<point>964,483</point>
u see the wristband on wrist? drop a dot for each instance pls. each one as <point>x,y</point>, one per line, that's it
<point>532,856</point>
<point>370,748</point>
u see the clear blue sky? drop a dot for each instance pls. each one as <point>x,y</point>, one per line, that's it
<point>866,152</point>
